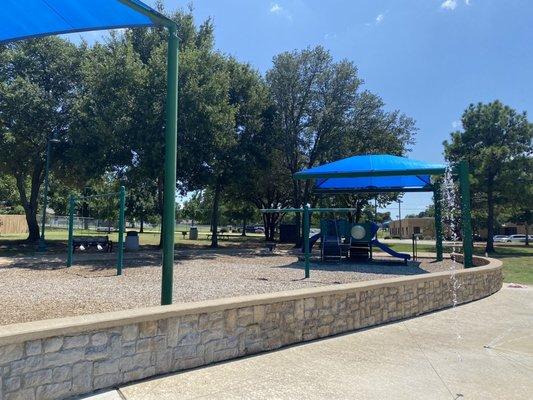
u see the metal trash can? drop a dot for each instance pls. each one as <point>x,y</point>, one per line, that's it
<point>193,233</point>
<point>132,241</point>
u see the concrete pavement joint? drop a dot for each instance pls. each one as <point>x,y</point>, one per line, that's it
<point>457,395</point>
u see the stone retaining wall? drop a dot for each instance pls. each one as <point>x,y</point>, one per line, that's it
<point>71,356</point>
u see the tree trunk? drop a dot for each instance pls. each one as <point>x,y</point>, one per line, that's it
<point>30,205</point>
<point>526,226</point>
<point>141,228</point>
<point>33,225</point>
<point>243,233</point>
<point>214,217</point>
<point>490,218</point>
<point>269,223</point>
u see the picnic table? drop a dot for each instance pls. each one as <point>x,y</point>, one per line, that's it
<point>222,236</point>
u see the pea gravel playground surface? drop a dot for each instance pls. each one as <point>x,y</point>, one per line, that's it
<point>34,288</point>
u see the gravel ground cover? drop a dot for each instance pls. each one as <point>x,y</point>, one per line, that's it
<point>42,290</point>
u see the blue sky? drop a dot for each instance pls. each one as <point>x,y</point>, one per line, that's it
<point>427,58</point>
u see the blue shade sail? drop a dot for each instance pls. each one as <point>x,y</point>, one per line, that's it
<point>371,165</point>
<point>23,19</point>
<point>373,173</point>
<point>412,183</point>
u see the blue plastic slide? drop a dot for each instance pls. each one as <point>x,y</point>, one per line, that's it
<point>312,240</point>
<point>388,250</point>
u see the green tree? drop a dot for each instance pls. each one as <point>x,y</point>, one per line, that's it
<point>9,199</point>
<point>121,110</point>
<point>196,209</point>
<point>520,195</point>
<point>241,213</point>
<point>39,80</point>
<point>495,140</point>
<point>324,116</point>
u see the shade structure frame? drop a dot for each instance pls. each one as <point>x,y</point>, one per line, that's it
<point>52,22</point>
<point>388,166</point>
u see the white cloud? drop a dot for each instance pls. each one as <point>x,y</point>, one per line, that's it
<point>467,2</point>
<point>379,18</point>
<point>449,4</point>
<point>456,124</point>
<point>276,8</point>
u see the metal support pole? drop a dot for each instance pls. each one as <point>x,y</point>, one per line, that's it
<point>121,223</point>
<point>71,206</point>
<point>400,216</point>
<point>306,239</point>
<point>437,197</point>
<point>42,243</point>
<point>169,192</point>
<point>413,239</point>
<point>464,187</point>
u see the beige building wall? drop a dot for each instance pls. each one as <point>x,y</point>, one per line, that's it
<point>419,226</point>
<point>13,224</point>
<point>507,229</point>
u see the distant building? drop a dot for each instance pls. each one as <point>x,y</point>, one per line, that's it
<point>425,227</point>
<point>506,229</point>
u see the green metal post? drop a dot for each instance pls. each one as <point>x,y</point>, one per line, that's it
<point>464,187</point>
<point>71,206</point>
<point>306,239</point>
<point>437,198</point>
<point>121,223</point>
<point>169,192</point>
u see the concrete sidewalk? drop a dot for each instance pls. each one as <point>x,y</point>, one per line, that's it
<point>482,350</point>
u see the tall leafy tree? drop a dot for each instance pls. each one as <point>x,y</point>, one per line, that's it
<point>39,80</point>
<point>314,97</point>
<point>495,140</point>
<point>324,116</point>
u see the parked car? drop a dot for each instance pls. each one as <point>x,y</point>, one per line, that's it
<point>517,239</point>
<point>500,238</point>
<point>259,229</point>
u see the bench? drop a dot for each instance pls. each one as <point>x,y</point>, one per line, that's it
<point>92,241</point>
<point>184,233</point>
<point>222,236</point>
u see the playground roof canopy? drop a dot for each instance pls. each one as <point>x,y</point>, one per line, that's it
<point>34,18</point>
<point>373,173</point>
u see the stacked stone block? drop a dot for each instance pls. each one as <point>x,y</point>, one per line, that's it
<point>64,366</point>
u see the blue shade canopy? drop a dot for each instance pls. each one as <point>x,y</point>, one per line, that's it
<point>371,165</point>
<point>412,183</point>
<point>23,19</point>
<point>373,173</point>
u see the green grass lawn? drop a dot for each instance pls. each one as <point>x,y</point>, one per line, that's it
<point>517,260</point>
<point>56,239</point>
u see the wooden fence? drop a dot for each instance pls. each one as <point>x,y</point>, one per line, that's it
<point>13,224</point>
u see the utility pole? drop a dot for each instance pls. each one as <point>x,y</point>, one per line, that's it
<point>400,216</point>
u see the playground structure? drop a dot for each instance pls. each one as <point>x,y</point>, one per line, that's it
<point>377,174</point>
<point>101,243</point>
<point>341,239</point>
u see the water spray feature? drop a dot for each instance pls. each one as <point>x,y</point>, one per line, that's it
<point>450,206</point>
